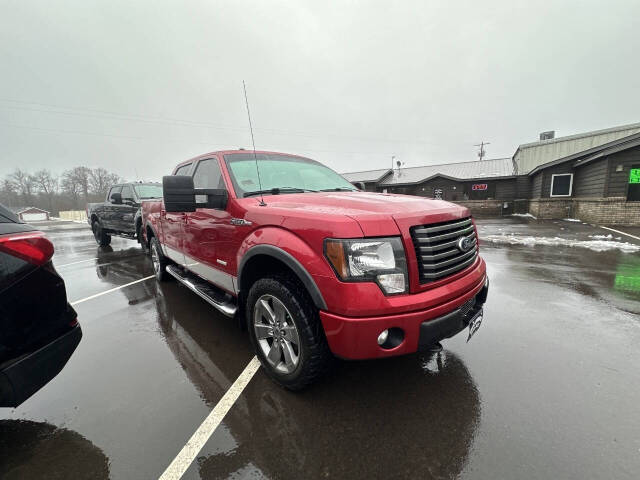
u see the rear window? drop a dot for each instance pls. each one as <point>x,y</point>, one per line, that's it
<point>153,190</point>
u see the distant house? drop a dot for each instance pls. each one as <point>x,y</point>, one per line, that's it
<point>593,176</point>
<point>30,214</point>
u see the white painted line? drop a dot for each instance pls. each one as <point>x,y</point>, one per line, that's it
<point>190,451</point>
<point>74,263</point>
<point>621,233</point>
<point>111,290</point>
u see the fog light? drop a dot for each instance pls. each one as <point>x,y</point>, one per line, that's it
<point>383,337</point>
<point>392,282</point>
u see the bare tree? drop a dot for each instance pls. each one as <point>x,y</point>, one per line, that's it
<point>47,184</point>
<point>8,193</point>
<point>100,180</point>
<point>71,186</point>
<point>82,177</point>
<point>24,183</point>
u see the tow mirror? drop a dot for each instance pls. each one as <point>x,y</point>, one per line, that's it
<point>179,194</point>
<point>116,198</point>
<point>212,198</point>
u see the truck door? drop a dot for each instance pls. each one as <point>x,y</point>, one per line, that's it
<point>109,209</point>
<point>209,233</point>
<point>172,225</point>
<point>125,212</point>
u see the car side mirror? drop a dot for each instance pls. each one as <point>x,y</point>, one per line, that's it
<point>179,194</point>
<point>215,198</point>
<point>116,198</point>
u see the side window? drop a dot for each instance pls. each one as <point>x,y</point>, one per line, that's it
<point>208,175</point>
<point>127,194</point>
<point>183,170</point>
<point>561,185</point>
<point>116,189</point>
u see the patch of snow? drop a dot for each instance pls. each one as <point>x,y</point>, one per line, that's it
<point>595,245</point>
<point>603,237</point>
<point>572,220</point>
<point>528,215</point>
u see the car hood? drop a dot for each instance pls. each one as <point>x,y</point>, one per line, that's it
<point>376,213</point>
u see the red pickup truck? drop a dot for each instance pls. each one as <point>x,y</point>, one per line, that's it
<point>312,266</point>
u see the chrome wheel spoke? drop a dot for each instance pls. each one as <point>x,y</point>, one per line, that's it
<point>280,312</point>
<point>265,309</point>
<point>275,354</point>
<point>263,331</point>
<point>291,334</point>
<point>290,358</point>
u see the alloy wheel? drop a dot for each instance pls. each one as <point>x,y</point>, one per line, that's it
<point>277,334</point>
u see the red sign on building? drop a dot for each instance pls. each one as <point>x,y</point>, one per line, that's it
<point>479,186</point>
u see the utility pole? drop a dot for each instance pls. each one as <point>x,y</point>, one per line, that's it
<point>482,151</point>
<point>393,157</point>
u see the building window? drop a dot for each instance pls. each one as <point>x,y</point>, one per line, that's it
<point>633,192</point>
<point>561,185</point>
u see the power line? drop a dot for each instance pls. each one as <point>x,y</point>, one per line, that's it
<point>74,111</point>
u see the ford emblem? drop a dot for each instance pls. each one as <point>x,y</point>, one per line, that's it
<point>465,244</point>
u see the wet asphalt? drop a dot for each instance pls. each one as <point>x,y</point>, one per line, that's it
<point>548,388</point>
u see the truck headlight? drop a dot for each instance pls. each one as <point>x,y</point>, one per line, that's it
<point>379,260</point>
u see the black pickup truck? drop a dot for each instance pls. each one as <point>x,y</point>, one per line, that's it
<point>119,215</point>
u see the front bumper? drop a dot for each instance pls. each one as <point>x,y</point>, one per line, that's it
<point>24,377</point>
<point>357,338</point>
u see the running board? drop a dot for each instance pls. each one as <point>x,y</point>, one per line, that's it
<point>220,300</point>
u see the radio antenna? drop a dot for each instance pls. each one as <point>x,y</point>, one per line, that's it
<point>253,143</point>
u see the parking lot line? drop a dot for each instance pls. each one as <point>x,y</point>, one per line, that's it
<point>190,451</point>
<point>110,290</point>
<point>74,263</point>
<point>621,233</point>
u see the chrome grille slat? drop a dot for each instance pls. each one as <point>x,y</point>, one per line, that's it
<point>444,236</point>
<point>437,249</point>
<point>440,228</point>
<point>436,266</point>
<point>448,271</point>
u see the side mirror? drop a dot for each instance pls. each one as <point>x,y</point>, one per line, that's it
<point>116,198</point>
<point>214,198</point>
<point>179,194</point>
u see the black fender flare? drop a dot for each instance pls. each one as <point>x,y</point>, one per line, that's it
<point>291,262</point>
<point>155,234</point>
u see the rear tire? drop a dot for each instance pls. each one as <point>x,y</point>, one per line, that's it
<point>145,247</point>
<point>103,239</point>
<point>286,332</point>
<point>159,261</point>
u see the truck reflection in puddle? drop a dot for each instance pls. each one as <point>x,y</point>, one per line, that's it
<point>410,416</point>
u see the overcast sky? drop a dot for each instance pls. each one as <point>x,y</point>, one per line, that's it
<point>137,86</point>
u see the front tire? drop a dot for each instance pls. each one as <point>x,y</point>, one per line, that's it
<point>103,239</point>
<point>286,332</point>
<point>159,261</point>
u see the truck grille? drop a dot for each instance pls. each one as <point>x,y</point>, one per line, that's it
<point>437,249</point>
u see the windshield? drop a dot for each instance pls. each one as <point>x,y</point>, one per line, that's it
<point>153,190</point>
<point>283,173</point>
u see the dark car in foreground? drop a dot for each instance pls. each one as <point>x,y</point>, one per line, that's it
<point>119,214</point>
<point>39,330</point>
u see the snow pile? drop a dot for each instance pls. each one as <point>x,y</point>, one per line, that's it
<point>572,220</point>
<point>600,245</point>
<point>527,215</point>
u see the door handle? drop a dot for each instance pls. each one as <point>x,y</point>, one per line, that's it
<point>185,218</point>
<point>163,213</point>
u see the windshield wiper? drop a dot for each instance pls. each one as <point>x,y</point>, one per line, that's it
<point>276,191</point>
<point>339,189</point>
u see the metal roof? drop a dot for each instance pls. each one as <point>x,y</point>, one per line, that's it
<point>587,156</point>
<point>531,155</point>
<point>367,175</point>
<point>492,168</point>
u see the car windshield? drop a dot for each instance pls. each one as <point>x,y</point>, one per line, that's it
<point>153,190</point>
<point>282,174</point>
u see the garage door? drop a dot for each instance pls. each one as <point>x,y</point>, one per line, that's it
<point>34,217</point>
